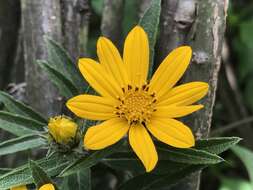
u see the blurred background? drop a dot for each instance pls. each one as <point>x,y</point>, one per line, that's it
<point>233,111</point>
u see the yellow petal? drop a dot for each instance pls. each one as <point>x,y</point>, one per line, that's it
<point>105,134</point>
<point>185,94</point>
<point>92,107</point>
<point>48,186</point>
<point>136,56</point>
<point>143,146</point>
<point>172,132</point>
<point>175,111</point>
<point>23,187</point>
<point>171,70</point>
<point>111,60</point>
<point>98,78</point>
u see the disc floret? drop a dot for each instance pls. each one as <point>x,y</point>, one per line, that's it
<point>136,105</point>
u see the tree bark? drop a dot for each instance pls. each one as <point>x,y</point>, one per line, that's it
<point>40,18</point>
<point>66,22</point>
<point>200,24</point>
<point>75,18</point>
<point>111,24</point>
<point>9,27</point>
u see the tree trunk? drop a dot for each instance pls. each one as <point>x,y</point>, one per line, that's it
<point>111,24</point>
<point>9,27</point>
<point>40,18</point>
<point>75,17</point>
<point>201,24</point>
<point>64,21</point>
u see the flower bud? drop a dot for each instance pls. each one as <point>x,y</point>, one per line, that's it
<point>62,129</point>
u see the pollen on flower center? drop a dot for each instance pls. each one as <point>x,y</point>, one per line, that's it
<point>136,105</point>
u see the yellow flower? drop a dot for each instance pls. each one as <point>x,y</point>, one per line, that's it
<point>62,128</point>
<point>130,104</point>
<point>48,186</point>
<point>23,187</point>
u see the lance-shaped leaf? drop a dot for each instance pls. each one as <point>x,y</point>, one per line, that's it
<point>19,125</point>
<point>81,181</point>
<point>61,61</point>
<point>22,175</point>
<point>19,108</point>
<point>90,160</point>
<point>151,181</point>
<point>168,173</point>
<point>21,144</point>
<point>127,161</point>
<point>40,177</point>
<point>218,144</point>
<point>150,23</point>
<point>130,163</point>
<point>188,156</point>
<point>65,86</point>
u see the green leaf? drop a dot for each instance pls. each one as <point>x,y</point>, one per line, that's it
<point>61,61</point>
<point>19,125</point>
<point>4,170</point>
<point>150,181</point>
<point>234,184</point>
<point>187,156</point>
<point>81,181</point>
<point>167,161</point>
<point>39,175</point>
<point>19,108</point>
<point>217,145</point>
<point>90,160</point>
<point>150,23</point>
<point>246,157</point>
<point>21,144</point>
<point>65,86</point>
<point>22,175</point>
<point>167,172</point>
<point>132,164</point>
<point>135,166</point>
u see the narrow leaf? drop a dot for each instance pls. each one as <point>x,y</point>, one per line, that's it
<point>19,108</point>
<point>149,181</point>
<point>217,145</point>
<point>187,156</point>
<point>22,175</point>
<point>127,160</point>
<point>62,62</point>
<point>90,160</point>
<point>21,144</point>
<point>19,125</point>
<point>65,86</point>
<point>150,23</point>
<point>39,175</point>
<point>167,173</point>
<point>81,181</point>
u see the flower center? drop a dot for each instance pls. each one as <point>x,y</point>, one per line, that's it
<point>136,105</point>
